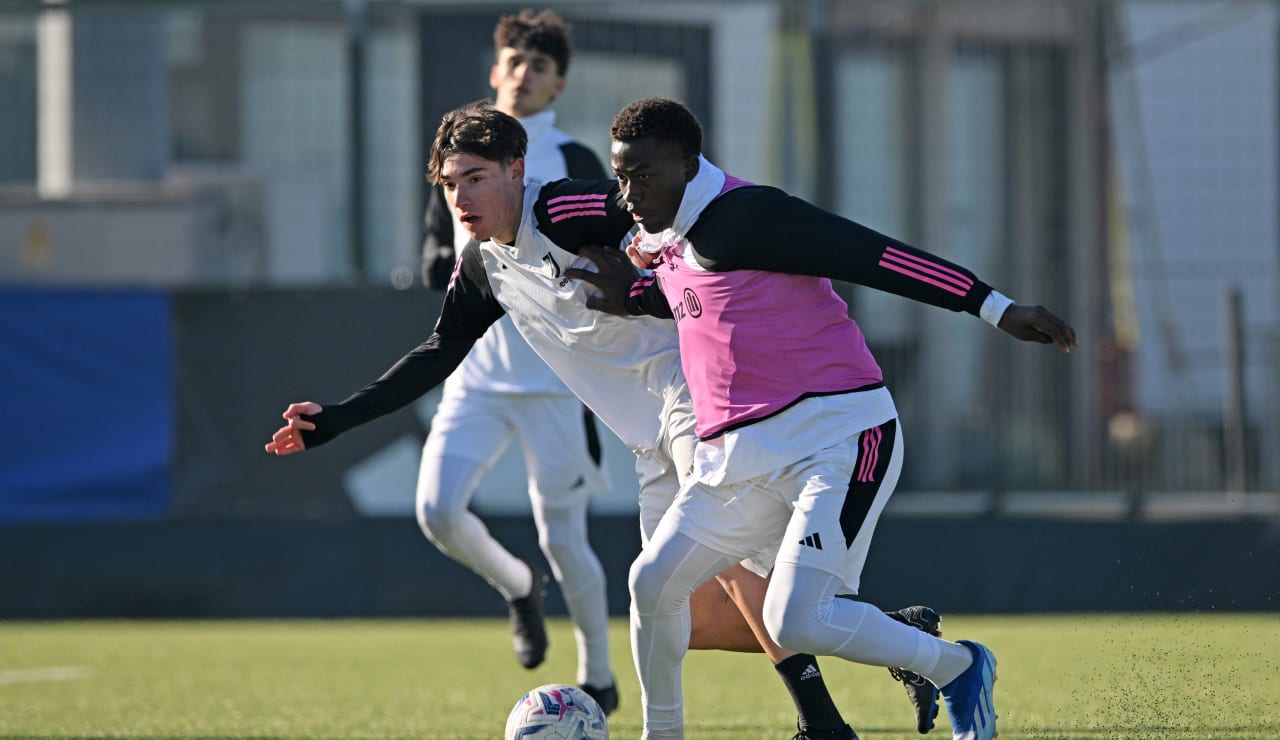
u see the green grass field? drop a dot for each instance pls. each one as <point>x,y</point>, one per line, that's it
<point>1138,676</point>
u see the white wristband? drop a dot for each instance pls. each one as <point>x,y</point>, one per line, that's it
<point>993,308</point>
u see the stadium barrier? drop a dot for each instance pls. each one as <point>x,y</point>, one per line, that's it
<point>385,568</point>
<point>135,484</point>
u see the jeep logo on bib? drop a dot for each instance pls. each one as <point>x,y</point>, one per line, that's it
<point>692,304</point>
<point>689,307</point>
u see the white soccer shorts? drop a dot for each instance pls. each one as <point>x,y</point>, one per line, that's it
<point>551,430</point>
<point>662,471</point>
<point>820,512</point>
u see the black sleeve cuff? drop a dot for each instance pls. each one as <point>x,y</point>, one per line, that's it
<point>330,422</point>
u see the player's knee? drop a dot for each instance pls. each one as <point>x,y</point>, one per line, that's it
<point>561,546</point>
<point>552,539</point>
<point>791,622</point>
<point>647,582</point>
<point>439,519</point>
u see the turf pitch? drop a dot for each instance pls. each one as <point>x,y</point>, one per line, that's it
<point>1064,677</point>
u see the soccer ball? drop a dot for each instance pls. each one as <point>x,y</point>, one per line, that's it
<point>557,712</point>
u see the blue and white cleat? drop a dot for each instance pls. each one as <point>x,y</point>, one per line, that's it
<point>970,698</point>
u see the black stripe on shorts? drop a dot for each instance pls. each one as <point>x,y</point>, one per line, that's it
<point>593,436</point>
<point>875,449</point>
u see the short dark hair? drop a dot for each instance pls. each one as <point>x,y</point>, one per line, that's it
<point>546,32</point>
<point>663,119</point>
<point>478,129</point>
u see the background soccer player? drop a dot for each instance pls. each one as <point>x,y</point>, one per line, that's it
<point>504,391</point>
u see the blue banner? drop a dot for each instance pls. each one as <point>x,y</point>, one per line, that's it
<point>88,424</point>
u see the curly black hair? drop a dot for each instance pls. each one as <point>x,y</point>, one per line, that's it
<point>663,119</point>
<point>545,32</point>
<point>479,129</point>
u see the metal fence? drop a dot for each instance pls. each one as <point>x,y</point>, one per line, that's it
<point>1115,161</point>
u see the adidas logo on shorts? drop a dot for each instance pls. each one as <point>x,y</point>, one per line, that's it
<point>813,541</point>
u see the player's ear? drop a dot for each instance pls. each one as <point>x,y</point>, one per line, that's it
<point>517,169</point>
<point>691,168</point>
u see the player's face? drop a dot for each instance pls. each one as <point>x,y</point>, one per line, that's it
<point>525,81</point>
<point>485,195</point>
<point>652,175</point>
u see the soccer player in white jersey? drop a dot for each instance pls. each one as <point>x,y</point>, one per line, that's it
<point>627,370</point>
<point>799,446</point>
<point>503,391</point>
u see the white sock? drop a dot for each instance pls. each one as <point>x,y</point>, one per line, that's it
<point>953,659</point>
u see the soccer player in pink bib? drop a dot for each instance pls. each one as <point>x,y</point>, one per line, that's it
<point>799,446</point>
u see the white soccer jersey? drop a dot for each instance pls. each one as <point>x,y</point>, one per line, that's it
<point>501,361</point>
<point>618,366</point>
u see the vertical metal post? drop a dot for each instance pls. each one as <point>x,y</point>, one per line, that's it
<point>1086,188</point>
<point>823,64</point>
<point>55,102</point>
<point>1233,402</point>
<point>356,23</point>
<point>933,57</point>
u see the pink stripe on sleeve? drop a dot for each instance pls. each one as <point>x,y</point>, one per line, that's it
<point>639,286</point>
<point>930,266</point>
<point>572,206</point>
<point>576,214</point>
<point>922,278</point>
<point>571,198</point>
<point>962,284</point>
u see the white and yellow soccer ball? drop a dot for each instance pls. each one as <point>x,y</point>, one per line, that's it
<point>557,712</point>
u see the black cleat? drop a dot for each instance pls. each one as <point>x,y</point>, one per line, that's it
<point>606,697</point>
<point>844,733</point>
<point>528,625</point>
<point>922,693</point>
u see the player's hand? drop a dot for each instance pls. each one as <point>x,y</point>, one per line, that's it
<point>614,277</point>
<point>288,438</point>
<point>1038,324</point>
<point>640,258</point>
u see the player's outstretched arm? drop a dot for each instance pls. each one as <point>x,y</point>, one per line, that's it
<point>288,438</point>
<point>469,309</point>
<point>1038,324</point>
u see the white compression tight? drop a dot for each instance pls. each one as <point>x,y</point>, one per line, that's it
<point>802,613</point>
<point>445,487</point>
<point>663,576</point>
<point>562,535</point>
